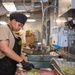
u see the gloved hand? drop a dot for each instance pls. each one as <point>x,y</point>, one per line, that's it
<point>31,65</point>
<point>27,65</point>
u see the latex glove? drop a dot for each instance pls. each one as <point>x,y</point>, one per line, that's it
<point>31,65</point>
<point>27,65</point>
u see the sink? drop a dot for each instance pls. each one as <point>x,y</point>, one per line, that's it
<point>40,57</point>
<point>41,61</point>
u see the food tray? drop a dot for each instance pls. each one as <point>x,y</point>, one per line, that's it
<point>63,67</point>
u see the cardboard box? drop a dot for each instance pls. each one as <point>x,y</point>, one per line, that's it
<point>30,40</point>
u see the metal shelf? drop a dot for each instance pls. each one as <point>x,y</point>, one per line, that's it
<point>69,13</point>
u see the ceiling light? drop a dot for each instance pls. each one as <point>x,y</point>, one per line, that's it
<point>20,10</point>
<point>27,14</point>
<point>44,0</point>
<point>31,20</point>
<point>10,6</point>
<point>7,15</point>
<point>3,23</point>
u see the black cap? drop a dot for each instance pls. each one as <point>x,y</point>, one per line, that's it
<point>19,17</point>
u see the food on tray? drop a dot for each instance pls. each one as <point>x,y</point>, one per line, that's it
<point>32,72</point>
<point>40,72</point>
<point>67,69</point>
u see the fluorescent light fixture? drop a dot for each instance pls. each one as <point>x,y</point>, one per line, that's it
<point>31,20</point>
<point>39,43</point>
<point>44,0</point>
<point>3,22</point>
<point>20,10</point>
<point>7,15</point>
<point>27,14</point>
<point>10,6</point>
<point>60,20</point>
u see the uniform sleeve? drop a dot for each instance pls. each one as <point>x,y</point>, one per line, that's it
<point>3,33</point>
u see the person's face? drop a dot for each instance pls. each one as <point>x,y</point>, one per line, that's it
<point>17,25</point>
